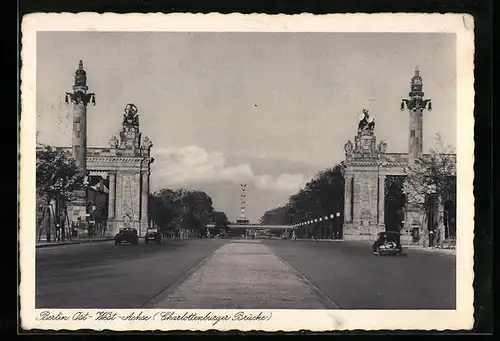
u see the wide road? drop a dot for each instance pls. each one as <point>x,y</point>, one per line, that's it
<point>251,274</point>
<point>354,278</point>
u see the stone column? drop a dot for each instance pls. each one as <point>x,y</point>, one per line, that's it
<point>348,199</point>
<point>144,199</point>
<point>112,195</point>
<point>136,203</point>
<point>381,201</point>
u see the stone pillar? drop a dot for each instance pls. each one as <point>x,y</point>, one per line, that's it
<point>356,201</point>
<point>136,203</point>
<point>416,136</point>
<point>144,200</point>
<point>348,199</point>
<point>79,141</point>
<point>381,201</point>
<point>112,195</point>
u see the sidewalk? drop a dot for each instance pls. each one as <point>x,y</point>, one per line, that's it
<point>448,251</point>
<point>317,240</point>
<point>244,274</point>
<point>44,243</point>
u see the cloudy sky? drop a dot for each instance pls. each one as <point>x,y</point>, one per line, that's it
<point>266,109</point>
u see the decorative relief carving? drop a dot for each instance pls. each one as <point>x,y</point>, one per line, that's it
<point>348,147</point>
<point>146,143</point>
<point>126,199</point>
<point>382,146</point>
<point>113,142</point>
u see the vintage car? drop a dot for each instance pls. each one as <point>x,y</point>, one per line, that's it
<point>152,235</point>
<point>388,243</point>
<point>126,235</point>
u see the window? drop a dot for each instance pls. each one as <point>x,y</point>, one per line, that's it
<point>77,119</point>
<point>412,133</point>
<point>78,134</point>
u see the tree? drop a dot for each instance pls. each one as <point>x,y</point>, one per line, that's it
<point>57,177</point>
<point>395,201</point>
<point>181,208</point>
<point>276,216</point>
<point>430,184</point>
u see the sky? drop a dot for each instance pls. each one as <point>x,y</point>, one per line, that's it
<point>266,109</point>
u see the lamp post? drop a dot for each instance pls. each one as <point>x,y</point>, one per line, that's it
<point>431,192</point>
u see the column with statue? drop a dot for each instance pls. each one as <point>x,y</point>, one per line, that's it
<point>77,209</point>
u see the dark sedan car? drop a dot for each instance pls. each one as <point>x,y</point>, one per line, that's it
<point>126,235</point>
<point>388,243</point>
<point>152,235</point>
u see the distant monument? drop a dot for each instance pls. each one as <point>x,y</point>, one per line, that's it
<point>243,219</point>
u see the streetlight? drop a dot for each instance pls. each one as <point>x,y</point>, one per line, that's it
<point>338,223</point>
<point>431,191</point>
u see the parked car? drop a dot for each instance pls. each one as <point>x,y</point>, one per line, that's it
<point>388,243</point>
<point>126,235</point>
<point>152,235</point>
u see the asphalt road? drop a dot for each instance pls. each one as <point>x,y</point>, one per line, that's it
<point>101,275</point>
<point>354,278</point>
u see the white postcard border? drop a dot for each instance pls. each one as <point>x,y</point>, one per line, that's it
<point>285,320</point>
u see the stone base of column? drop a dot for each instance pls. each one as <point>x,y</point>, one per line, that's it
<point>77,211</point>
<point>114,226</point>
<point>143,228</point>
<point>367,232</point>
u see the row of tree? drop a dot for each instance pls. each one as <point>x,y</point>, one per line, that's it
<point>321,196</point>
<point>174,210</point>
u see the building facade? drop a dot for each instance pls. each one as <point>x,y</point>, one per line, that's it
<point>368,165</point>
<point>117,175</point>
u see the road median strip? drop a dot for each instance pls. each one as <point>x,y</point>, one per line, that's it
<point>52,244</point>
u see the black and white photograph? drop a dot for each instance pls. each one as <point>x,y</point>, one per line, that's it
<point>242,172</point>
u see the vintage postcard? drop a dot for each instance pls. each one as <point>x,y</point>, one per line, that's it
<point>247,172</point>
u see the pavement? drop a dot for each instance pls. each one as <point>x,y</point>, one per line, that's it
<point>241,274</point>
